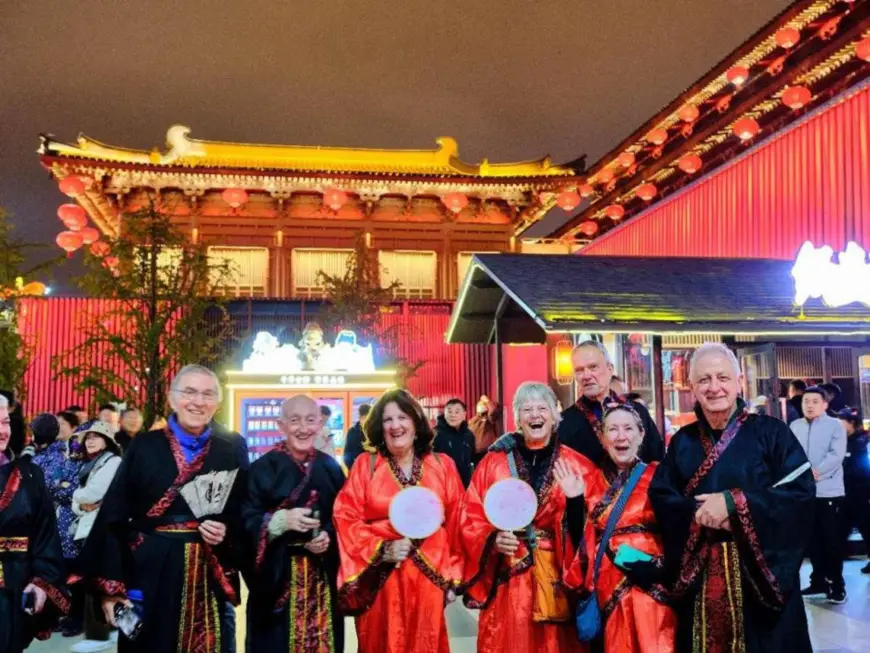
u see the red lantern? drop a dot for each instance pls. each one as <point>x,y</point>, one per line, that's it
<point>568,200</point>
<point>100,248</point>
<point>657,136</point>
<point>690,163</point>
<point>588,228</point>
<point>72,213</point>
<point>614,212</point>
<point>862,49</point>
<point>455,202</point>
<point>71,186</point>
<point>334,198</point>
<point>626,159</point>
<point>745,128</point>
<point>89,235</point>
<point>586,190</point>
<point>235,197</point>
<point>787,37</point>
<point>646,191</point>
<point>689,113</point>
<point>796,97</point>
<point>737,75</point>
<point>69,241</point>
<point>605,176</point>
<point>111,263</point>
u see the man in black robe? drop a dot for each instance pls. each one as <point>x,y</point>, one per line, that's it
<point>150,550</point>
<point>31,560</point>
<point>293,552</point>
<point>732,499</point>
<point>581,423</point>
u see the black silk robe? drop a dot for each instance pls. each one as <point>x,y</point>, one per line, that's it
<point>30,552</point>
<point>145,539</point>
<point>292,602</point>
<point>763,550</point>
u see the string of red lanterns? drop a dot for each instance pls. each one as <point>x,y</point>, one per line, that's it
<point>796,97</point>
<point>568,200</point>
<point>657,136</point>
<point>588,228</point>
<point>100,248</point>
<point>334,198</point>
<point>690,163</point>
<point>69,241</point>
<point>456,202</point>
<point>787,37</point>
<point>235,197</point>
<point>745,128</point>
<point>71,186</point>
<point>614,212</point>
<point>737,75</point>
<point>646,191</point>
<point>862,49</point>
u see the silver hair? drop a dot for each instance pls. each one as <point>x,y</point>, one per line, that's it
<point>712,349</point>
<point>4,402</point>
<point>196,369</point>
<point>535,390</point>
<point>595,345</point>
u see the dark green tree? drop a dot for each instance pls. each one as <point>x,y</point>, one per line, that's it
<point>162,288</point>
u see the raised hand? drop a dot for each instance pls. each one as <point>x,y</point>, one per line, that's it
<point>569,479</point>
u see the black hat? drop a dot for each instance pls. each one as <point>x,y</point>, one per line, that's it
<point>851,415</point>
<point>45,428</point>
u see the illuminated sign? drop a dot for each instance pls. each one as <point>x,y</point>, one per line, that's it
<point>312,355</point>
<point>308,379</point>
<point>837,283</point>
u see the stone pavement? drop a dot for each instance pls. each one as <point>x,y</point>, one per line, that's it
<point>834,629</point>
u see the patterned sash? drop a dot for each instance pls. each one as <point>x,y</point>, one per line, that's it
<point>11,489</point>
<point>714,452</point>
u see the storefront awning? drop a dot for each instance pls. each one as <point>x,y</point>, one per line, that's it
<point>533,295</point>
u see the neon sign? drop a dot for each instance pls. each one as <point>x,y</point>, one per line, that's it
<point>837,283</point>
<point>313,355</point>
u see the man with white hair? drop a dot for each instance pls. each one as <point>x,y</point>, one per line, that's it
<point>732,499</point>
<point>580,428</point>
<point>161,542</point>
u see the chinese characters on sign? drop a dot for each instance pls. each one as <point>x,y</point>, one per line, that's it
<point>837,283</point>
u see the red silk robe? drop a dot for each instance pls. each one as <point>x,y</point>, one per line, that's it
<point>635,621</point>
<point>503,588</point>
<point>398,609</point>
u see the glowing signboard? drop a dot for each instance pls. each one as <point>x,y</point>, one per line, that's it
<point>312,355</point>
<point>837,283</point>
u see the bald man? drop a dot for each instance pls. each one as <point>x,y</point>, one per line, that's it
<point>288,523</point>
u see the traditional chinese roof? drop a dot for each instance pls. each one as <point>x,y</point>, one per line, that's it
<point>823,60</point>
<point>185,152</point>
<point>533,295</point>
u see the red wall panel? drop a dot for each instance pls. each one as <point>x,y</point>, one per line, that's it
<point>811,182</point>
<point>521,363</point>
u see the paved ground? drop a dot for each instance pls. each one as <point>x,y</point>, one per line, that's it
<point>834,629</point>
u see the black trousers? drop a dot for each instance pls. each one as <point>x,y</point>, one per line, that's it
<point>856,514</point>
<point>826,547</point>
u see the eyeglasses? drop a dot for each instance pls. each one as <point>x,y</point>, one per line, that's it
<point>209,396</point>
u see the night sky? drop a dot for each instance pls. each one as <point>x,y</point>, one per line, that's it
<point>510,79</point>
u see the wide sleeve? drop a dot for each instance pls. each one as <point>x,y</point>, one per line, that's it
<point>477,537</point>
<point>836,451</point>
<point>46,555</point>
<point>61,488</point>
<point>361,542</point>
<point>770,523</point>
<point>453,494</point>
<point>674,511</point>
<point>102,560</point>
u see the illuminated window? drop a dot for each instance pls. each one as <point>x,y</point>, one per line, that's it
<point>249,269</point>
<point>415,271</point>
<point>307,265</point>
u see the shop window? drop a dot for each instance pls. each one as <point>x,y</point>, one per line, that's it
<point>415,271</point>
<point>249,270</point>
<point>307,264</point>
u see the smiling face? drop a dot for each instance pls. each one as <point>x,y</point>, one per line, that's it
<point>399,430</point>
<point>94,444</point>
<point>300,422</point>
<point>195,401</point>
<point>592,372</point>
<point>455,414</point>
<point>716,384</point>
<point>536,421</point>
<point>622,436</point>
<point>5,429</point>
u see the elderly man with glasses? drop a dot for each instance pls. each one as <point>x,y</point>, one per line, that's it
<point>151,549</point>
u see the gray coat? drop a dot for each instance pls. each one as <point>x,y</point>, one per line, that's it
<point>824,441</point>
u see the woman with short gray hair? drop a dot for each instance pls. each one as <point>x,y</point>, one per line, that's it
<point>505,572</point>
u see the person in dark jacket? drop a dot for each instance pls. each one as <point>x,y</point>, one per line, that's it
<point>131,426</point>
<point>455,439</point>
<point>17,424</point>
<point>353,443</point>
<point>856,474</point>
<point>835,398</point>
<point>581,423</point>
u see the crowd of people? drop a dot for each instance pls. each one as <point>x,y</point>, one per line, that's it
<point>627,547</point>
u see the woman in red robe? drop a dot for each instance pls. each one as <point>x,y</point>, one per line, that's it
<point>633,609</point>
<point>397,588</point>
<point>526,604</point>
